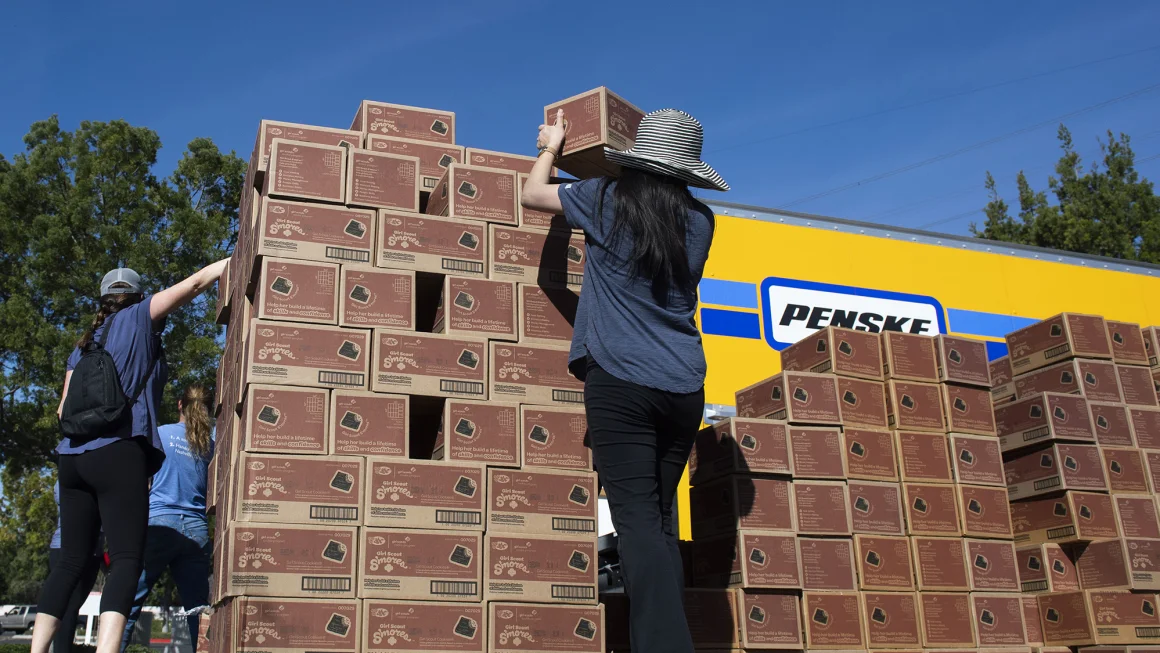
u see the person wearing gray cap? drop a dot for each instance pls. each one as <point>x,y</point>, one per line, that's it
<point>104,477</point>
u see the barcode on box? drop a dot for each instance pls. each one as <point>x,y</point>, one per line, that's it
<point>1147,631</point>
<point>344,254</point>
<point>1035,586</point>
<point>574,525</point>
<point>429,183</point>
<point>456,265</point>
<point>568,396</point>
<point>462,517</point>
<point>735,578</point>
<point>1057,351</point>
<point>348,379</point>
<point>1048,482</point>
<point>334,513</point>
<point>454,588</point>
<point>461,387</point>
<point>1060,533</point>
<point>324,584</point>
<point>821,368</point>
<point>1035,434</point>
<point>574,592</point>
<point>555,276</point>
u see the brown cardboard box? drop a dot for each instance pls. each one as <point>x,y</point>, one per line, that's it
<point>429,364</point>
<point>1152,345</point>
<point>286,489</point>
<point>268,130</point>
<point>537,628</point>
<point>740,445</point>
<point>998,620</point>
<point>417,565</point>
<point>1137,385</point>
<point>835,350</point>
<point>1045,417</point>
<point>931,509</point>
<point>477,308</point>
<point>909,357</point>
<point>1046,568</point>
<point>946,620</point>
<point>884,563</point>
<point>297,291</point>
<point>977,460</point>
<point>1060,467</point>
<point>1096,380</point>
<point>475,193</point>
<point>1002,380</point>
<point>533,374</point>
<point>592,121</point>
<point>280,625</point>
<point>403,121</point>
<point>503,160</point>
<point>424,494</point>
<point>875,507</point>
<point>282,419</point>
<point>940,564</point>
<point>540,568</point>
<point>1112,424</point>
<point>1137,516</point>
<point>817,452</point>
<point>738,502</point>
<point>968,409</point>
<point>1127,343</point>
<point>423,626</point>
<point>923,457</point>
<point>553,436</point>
<point>1101,382</point>
<point>1152,467</point>
<point>1031,620</point>
<point>383,181</point>
<point>369,424</point>
<point>864,402</point>
<point>833,620</point>
<point>797,397</point>
<point>433,157</point>
<point>532,217</point>
<point>1064,336</point>
<point>546,315</point>
<point>915,407</point>
<point>1145,426</point>
<point>870,454</point>
<point>1118,617</point>
<point>749,559</point>
<point>770,621</point>
<point>308,171</point>
<point>541,502</point>
<point>890,619</point>
<point>1073,517</point>
<point>479,431</point>
<point>963,361</point>
<point>545,257</point>
<point>202,634</point>
<point>289,560</point>
<point>822,508</point>
<point>1125,470</point>
<point>303,354</point>
<point>430,244</point>
<point>992,565</point>
<point>827,563</point>
<point>374,297</point>
<point>1119,564</point>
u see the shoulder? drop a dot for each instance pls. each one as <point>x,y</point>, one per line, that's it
<point>171,429</point>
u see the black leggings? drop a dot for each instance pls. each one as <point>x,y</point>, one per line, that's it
<point>106,487</point>
<point>63,641</point>
<point>641,439</point>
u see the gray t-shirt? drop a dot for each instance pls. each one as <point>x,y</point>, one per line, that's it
<point>619,322</point>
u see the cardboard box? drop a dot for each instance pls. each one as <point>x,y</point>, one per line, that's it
<point>1060,467</point>
<point>1064,336</point>
<point>1127,343</point>
<point>992,565</point>
<point>1125,470</point>
<point>282,419</point>
<point>833,621</point>
<point>369,424</point>
<point>1152,467</point>
<point>544,257</point>
<point>417,565</point>
<point>910,357</point>
<point>532,217</point>
<point>429,244</point>
<point>931,509</point>
<point>540,568</point>
<point>998,619</point>
<point>915,406</point>
<point>422,626</point>
<point>797,397</point>
<point>1137,516</point>
<point>308,171</point>
<point>923,457</point>
<point>890,619</point>
<point>1046,568</point>
<point>946,620</point>
<point>749,559</point>
<point>835,350</point>
<point>1002,380</point>
<point>536,628</point>
<point>1045,417</point>
<point>1119,564</point>
<point>479,431</point>
<point>817,452</point>
<point>963,361</point>
<point>592,121</point>
<point>870,454</point>
<point>546,315</point>
<point>1113,427</point>
<point>202,634</point>
<point>827,564</point>
<point>433,157</point>
<point>1096,380</point>
<point>519,163</point>
<point>884,563</point>
<point>1032,623</point>
<point>864,402</point>
<point>875,507</point>
<point>968,409</point>
<point>770,621</point>
<point>740,445</point>
<point>533,374</point>
<point>738,502</point>
<point>429,364</point>
<point>978,460</point>
<point>297,291</point>
<point>1119,617</point>
<point>940,564</point>
<point>1145,424</point>
<point>475,193</point>
<point>403,121</point>
<point>424,494</point>
<point>287,489</point>
<point>477,308</point>
<point>541,502</point>
<point>552,436</point>
<point>1137,385</point>
<point>1073,517</point>
<point>374,297</point>
<point>983,511</point>
<point>822,508</point>
<point>280,625</point>
<point>712,618</point>
<point>1151,347</point>
<point>383,181</point>
<point>288,560</point>
<point>284,353</point>
<point>268,130</point>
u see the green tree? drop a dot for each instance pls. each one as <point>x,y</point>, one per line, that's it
<point>27,521</point>
<point>1107,210</point>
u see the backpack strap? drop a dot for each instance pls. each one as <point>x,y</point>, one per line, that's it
<point>144,382</point>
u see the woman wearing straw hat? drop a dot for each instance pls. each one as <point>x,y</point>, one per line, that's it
<point>636,344</point>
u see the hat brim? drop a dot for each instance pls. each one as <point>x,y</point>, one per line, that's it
<point>701,176</point>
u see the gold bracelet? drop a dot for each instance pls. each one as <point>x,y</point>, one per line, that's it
<point>550,151</point>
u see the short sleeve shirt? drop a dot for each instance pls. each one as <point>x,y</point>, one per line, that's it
<point>180,486</point>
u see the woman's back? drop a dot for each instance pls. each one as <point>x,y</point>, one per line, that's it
<point>179,488</point>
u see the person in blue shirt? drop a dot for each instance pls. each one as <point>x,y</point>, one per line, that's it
<point>178,537</point>
<point>63,641</point>
<point>104,480</point>
<point>636,345</point>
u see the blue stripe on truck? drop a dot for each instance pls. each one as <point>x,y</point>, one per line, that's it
<point>729,293</point>
<point>716,322</point>
<point>978,323</point>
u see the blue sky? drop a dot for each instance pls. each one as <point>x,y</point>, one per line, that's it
<point>751,72</point>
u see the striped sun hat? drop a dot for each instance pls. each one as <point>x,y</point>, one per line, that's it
<point>669,142</point>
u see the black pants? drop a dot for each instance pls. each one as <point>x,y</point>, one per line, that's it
<point>108,486</point>
<point>63,641</point>
<point>641,439</point>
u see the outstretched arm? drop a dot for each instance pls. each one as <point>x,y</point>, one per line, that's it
<point>173,298</point>
<point>538,194</point>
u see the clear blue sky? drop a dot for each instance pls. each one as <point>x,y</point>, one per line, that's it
<point>748,71</point>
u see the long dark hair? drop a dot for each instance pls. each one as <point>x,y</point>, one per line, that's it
<point>109,304</point>
<point>655,210</point>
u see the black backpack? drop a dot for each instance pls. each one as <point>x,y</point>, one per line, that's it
<point>96,404</point>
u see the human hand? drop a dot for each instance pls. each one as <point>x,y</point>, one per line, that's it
<point>552,136</point>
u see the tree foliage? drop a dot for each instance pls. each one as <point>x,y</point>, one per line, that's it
<point>27,521</point>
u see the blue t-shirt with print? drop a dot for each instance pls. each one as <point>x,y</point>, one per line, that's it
<point>179,488</point>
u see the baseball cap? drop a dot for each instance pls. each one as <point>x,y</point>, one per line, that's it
<point>121,281</point>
